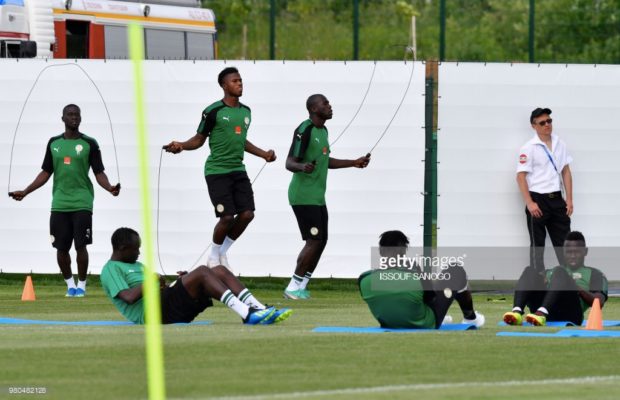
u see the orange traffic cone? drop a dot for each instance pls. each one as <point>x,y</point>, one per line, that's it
<point>595,319</point>
<point>28,293</point>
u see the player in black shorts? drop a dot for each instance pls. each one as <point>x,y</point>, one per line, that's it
<point>309,159</point>
<point>69,157</point>
<point>226,123</point>
<point>186,297</point>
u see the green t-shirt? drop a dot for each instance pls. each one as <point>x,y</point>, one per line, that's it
<point>587,278</point>
<point>117,276</point>
<point>69,160</point>
<point>310,144</point>
<point>227,129</point>
<point>392,306</point>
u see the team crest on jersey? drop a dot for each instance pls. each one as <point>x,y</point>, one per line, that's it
<point>247,121</point>
<point>78,149</point>
<point>576,275</point>
<point>238,130</point>
<point>522,158</point>
<point>325,150</point>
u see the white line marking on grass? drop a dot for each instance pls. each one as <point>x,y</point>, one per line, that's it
<point>421,386</point>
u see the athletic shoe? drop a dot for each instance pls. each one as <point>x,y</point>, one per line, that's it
<point>80,292</point>
<point>256,316</point>
<point>478,321</point>
<point>304,294</point>
<point>71,292</point>
<point>278,316</point>
<point>293,294</point>
<point>447,320</point>
<point>536,320</point>
<point>513,318</point>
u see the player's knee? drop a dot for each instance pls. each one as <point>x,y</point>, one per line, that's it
<point>246,216</point>
<point>227,219</point>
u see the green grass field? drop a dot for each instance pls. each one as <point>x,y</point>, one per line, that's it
<point>228,359</point>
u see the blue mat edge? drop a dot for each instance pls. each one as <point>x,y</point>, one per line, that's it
<point>564,333</point>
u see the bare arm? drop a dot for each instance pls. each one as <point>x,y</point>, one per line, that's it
<point>104,182</point>
<point>268,155</point>
<point>195,142</point>
<point>132,295</point>
<point>589,297</point>
<point>294,164</point>
<point>567,178</point>
<point>39,181</point>
<point>527,198</point>
<point>361,162</point>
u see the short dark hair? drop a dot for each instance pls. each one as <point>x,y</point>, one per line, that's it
<point>69,106</point>
<point>312,100</point>
<point>576,236</point>
<point>123,237</point>
<point>538,112</point>
<point>226,71</point>
<point>393,239</point>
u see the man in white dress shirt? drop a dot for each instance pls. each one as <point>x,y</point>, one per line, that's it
<point>543,173</point>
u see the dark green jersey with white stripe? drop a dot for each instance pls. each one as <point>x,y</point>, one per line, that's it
<point>310,144</point>
<point>69,160</point>
<point>586,278</point>
<point>227,129</point>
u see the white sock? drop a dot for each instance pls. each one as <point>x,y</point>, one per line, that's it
<point>226,245</point>
<point>517,310</point>
<point>214,255</point>
<point>70,283</point>
<point>232,302</point>
<point>543,310</point>
<point>295,283</point>
<point>249,299</point>
<point>305,281</point>
<point>81,285</point>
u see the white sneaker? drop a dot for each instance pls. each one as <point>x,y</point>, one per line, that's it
<point>224,261</point>
<point>447,319</point>
<point>479,321</point>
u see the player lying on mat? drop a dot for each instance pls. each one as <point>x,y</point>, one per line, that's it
<point>185,298</point>
<point>563,293</point>
<point>405,298</point>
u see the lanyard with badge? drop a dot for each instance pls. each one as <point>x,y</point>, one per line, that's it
<point>556,169</point>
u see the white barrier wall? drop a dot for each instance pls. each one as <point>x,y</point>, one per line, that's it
<point>484,114</point>
<point>362,203</point>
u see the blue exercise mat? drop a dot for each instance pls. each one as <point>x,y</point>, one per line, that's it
<point>377,329</point>
<point>564,333</point>
<point>562,324</point>
<point>19,321</point>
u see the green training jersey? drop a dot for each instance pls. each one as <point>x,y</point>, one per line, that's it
<point>117,276</point>
<point>587,278</point>
<point>392,306</point>
<point>227,129</point>
<point>310,144</point>
<point>69,160</point>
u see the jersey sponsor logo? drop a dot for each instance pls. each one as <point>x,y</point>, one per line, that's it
<point>56,149</point>
<point>226,119</point>
<point>325,150</point>
<point>67,160</point>
<point>522,158</point>
<point>78,149</point>
<point>238,130</point>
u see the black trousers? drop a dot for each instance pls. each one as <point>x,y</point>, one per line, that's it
<point>560,297</point>
<point>554,220</point>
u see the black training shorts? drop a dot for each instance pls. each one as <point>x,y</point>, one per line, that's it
<point>71,227</point>
<point>230,193</point>
<point>312,221</point>
<point>178,306</point>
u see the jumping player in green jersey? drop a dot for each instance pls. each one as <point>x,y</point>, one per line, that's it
<point>69,157</point>
<point>563,293</point>
<point>412,300</point>
<point>226,124</point>
<point>185,298</point>
<point>309,159</point>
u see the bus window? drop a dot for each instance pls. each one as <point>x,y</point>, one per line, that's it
<point>200,46</point>
<point>116,42</point>
<point>77,39</point>
<point>164,44</point>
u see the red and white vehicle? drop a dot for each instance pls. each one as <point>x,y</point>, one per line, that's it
<point>173,29</point>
